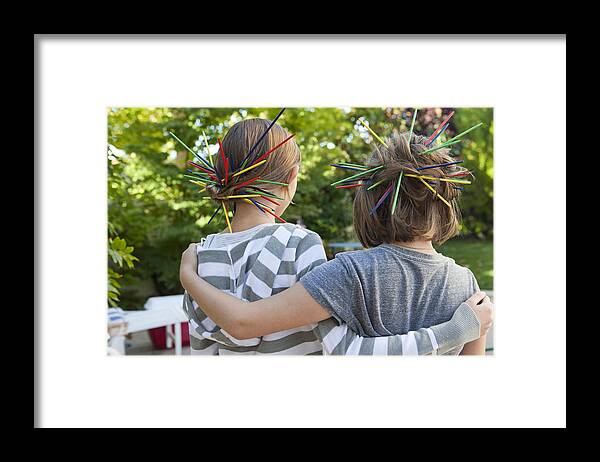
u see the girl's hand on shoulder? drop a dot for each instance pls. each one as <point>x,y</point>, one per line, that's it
<point>483,308</point>
<point>189,263</point>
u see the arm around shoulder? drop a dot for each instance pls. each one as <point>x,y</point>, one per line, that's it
<point>291,308</point>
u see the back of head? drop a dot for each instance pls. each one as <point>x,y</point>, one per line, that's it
<point>237,144</point>
<point>420,213</point>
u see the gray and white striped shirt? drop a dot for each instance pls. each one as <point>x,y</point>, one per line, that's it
<point>251,265</point>
<point>267,259</point>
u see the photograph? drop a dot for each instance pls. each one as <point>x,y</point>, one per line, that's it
<point>371,199</point>
<point>300,231</point>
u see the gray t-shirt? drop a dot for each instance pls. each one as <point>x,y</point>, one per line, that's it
<point>390,290</point>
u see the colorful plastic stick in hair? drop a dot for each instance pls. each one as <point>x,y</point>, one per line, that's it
<point>372,132</point>
<point>246,183</point>
<point>273,149</point>
<point>412,125</point>
<point>448,180</point>
<point>250,201</point>
<point>265,193</point>
<point>436,136</point>
<point>196,182</point>
<point>208,150</point>
<point>275,215</point>
<point>196,155</point>
<point>181,142</point>
<point>240,196</point>
<point>382,198</point>
<point>440,165</point>
<point>270,200</point>
<point>465,132</point>
<point>348,167</point>
<point>200,177</point>
<point>201,159</point>
<point>203,173</point>
<point>348,186</point>
<point>441,146</point>
<point>247,156</point>
<point>225,163</point>
<point>213,215</point>
<point>438,130</point>
<point>353,165</point>
<point>272,182</point>
<point>226,216</point>
<point>374,185</point>
<point>201,168</point>
<point>357,175</point>
<point>464,173</point>
<point>249,168</point>
<point>269,211</point>
<point>435,193</point>
<point>396,192</point>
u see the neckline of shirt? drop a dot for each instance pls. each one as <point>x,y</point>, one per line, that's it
<point>226,238</point>
<point>414,254</point>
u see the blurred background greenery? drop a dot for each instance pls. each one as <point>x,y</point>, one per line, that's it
<point>154,212</point>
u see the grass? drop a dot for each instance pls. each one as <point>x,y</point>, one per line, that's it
<point>477,255</point>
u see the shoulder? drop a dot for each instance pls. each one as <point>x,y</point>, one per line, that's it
<point>300,237</point>
<point>308,237</point>
<point>469,276</point>
<point>308,248</point>
<point>289,242</point>
<point>285,231</point>
<point>458,269</point>
<point>204,240</point>
<point>462,273</point>
<point>302,232</point>
<point>353,257</point>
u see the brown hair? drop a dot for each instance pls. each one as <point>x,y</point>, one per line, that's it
<point>419,213</point>
<point>237,143</point>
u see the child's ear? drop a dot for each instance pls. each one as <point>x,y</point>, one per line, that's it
<point>293,173</point>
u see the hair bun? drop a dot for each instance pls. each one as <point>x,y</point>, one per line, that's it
<point>426,207</point>
<point>400,157</point>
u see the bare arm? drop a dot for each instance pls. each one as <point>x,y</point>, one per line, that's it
<point>293,307</point>
<point>476,347</point>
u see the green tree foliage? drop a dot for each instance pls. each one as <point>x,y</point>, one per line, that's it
<point>159,212</point>
<point>120,254</point>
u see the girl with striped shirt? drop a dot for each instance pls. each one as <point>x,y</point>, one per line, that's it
<point>259,259</point>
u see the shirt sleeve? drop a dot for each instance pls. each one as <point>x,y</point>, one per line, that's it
<point>310,253</point>
<point>338,339</point>
<point>198,325</point>
<point>335,289</point>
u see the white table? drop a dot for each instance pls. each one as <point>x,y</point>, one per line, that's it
<point>164,312</point>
